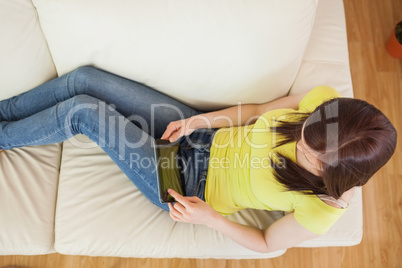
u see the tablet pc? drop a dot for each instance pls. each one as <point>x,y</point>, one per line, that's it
<point>169,169</point>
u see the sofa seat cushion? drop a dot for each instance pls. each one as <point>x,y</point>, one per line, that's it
<point>28,187</point>
<point>101,213</point>
<point>208,54</point>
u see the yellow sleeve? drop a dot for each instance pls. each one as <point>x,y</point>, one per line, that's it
<point>316,97</point>
<point>315,215</point>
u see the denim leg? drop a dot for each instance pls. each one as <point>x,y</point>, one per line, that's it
<point>129,147</point>
<point>147,108</point>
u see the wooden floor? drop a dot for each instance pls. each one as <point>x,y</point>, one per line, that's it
<point>377,78</point>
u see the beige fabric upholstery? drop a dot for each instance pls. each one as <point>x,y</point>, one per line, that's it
<point>326,60</point>
<point>192,50</point>
<point>28,187</point>
<point>25,58</point>
<point>28,176</point>
<point>101,213</point>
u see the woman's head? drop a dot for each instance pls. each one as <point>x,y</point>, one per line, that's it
<point>352,140</point>
<point>347,139</point>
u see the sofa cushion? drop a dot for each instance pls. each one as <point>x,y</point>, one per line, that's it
<point>326,60</point>
<point>28,187</point>
<point>101,213</point>
<point>25,58</point>
<point>28,176</point>
<point>206,53</point>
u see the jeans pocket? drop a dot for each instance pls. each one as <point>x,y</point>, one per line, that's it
<point>201,140</point>
<point>199,191</point>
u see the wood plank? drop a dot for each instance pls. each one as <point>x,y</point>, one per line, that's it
<point>357,19</point>
<point>272,263</point>
<point>387,83</point>
<point>298,257</point>
<point>396,215</point>
<point>211,263</point>
<point>327,257</point>
<point>377,227</point>
<point>396,10</point>
<point>382,24</point>
<point>353,256</point>
<point>363,70</point>
<point>241,263</point>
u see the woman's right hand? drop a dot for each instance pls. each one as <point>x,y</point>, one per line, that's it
<point>176,129</point>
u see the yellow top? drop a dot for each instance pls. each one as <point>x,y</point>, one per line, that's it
<point>240,174</point>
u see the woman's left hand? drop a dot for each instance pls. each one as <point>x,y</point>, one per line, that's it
<point>177,129</point>
<point>191,209</point>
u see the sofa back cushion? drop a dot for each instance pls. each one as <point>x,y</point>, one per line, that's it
<point>208,54</point>
<point>25,58</point>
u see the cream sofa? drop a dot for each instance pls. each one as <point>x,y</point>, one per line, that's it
<point>71,198</point>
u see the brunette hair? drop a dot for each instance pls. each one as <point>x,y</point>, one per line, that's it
<point>353,138</point>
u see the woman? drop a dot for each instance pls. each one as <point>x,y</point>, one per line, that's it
<point>303,154</point>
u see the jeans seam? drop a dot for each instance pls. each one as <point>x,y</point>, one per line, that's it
<point>198,185</point>
<point>68,78</point>
<point>30,143</point>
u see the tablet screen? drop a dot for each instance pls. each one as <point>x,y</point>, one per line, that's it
<point>169,169</point>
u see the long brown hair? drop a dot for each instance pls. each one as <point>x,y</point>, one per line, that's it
<point>354,140</point>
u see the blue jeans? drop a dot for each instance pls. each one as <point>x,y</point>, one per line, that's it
<point>123,117</point>
<point>195,153</point>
